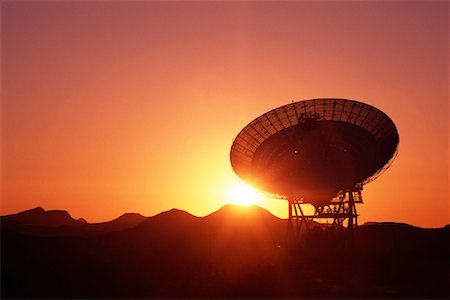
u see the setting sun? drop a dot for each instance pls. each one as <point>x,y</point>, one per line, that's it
<point>243,194</point>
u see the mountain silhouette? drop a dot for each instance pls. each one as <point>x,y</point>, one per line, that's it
<point>38,221</point>
<point>39,217</point>
<point>235,252</point>
<point>127,220</point>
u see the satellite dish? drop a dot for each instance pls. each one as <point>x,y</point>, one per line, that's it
<point>315,150</point>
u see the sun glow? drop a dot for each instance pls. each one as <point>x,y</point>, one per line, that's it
<point>243,194</point>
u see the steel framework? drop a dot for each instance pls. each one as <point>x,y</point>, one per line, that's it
<point>339,209</point>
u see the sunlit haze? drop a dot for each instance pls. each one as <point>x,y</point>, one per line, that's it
<point>114,107</point>
<point>244,194</point>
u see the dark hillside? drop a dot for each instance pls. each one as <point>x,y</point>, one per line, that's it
<point>39,217</point>
<point>39,222</point>
<point>232,253</point>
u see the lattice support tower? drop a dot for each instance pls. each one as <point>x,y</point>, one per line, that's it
<point>335,213</point>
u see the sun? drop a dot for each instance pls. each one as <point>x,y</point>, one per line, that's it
<point>243,194</point>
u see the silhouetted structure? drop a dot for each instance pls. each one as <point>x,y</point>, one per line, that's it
<point>319,152</point>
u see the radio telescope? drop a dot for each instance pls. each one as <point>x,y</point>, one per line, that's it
<point>319,152</point>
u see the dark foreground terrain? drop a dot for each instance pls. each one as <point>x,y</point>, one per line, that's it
<point>232,253</point>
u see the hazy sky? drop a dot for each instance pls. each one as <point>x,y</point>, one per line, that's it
<point>113,107</point>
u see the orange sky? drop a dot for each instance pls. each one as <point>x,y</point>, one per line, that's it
<point>113,107</point>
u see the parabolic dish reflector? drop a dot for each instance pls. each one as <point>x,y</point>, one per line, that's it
<point>315,148</point>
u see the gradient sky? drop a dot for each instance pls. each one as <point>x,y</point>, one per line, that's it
<point>113,107</point>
